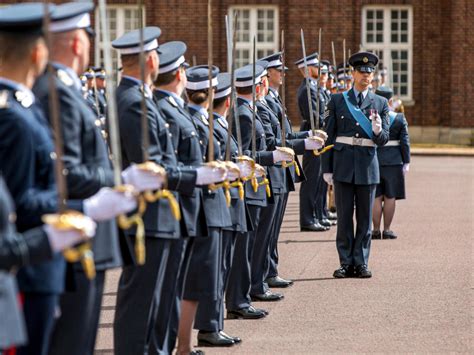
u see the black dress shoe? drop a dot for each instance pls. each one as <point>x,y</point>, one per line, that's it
<point>214,339</point>
<point>246,313</point>
<point>343,272</point>
<point>325,222</point>
<point>389,235</point>
<point>332,215</point>
<point>278,282</point>
<point>236,340</point>
<point>268,296</point>
<point>363,272</point>
<point>260,310</point>
<point>316,227</point>
<point>376,235</point>
<point>197,352</point>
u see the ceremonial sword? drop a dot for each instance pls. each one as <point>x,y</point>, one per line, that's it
<point>334,64</point>
<point>284,164</point>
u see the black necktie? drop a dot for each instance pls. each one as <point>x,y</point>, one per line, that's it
<point>360,98</point>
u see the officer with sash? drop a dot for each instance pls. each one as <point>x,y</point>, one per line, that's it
<point>357,122</point>
<point>394,163</point>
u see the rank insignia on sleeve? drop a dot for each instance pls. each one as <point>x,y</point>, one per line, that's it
<point>65,78</point>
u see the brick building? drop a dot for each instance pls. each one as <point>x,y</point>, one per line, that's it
<point>423,43</point>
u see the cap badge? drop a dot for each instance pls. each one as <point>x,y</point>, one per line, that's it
<point>365,60</point>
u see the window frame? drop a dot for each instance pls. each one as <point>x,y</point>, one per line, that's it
<point>253,28</point>
<point>387,46</point>
<point>120,21</point>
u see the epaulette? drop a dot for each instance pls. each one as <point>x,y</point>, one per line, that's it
<point>204,119</point>
<point>23,98</point>
<point>4,99</point>
<point>64,77</point>
<point>172,101</point>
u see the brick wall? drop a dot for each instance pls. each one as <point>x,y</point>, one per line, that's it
<point>441,44</point>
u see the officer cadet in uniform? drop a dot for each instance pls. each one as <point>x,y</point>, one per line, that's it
<point>170,86</point>
<point>139,291</point>
<point>394,163</point>
<point>270,219</point>
<point>26,163</point>
<point>357,122</point>
<point>294,140</point>
<point>17,250</point>
<point>204,274</point>
<point>310,192</point>
<point>210,315</point>
<point>238,301</point>
<point>88,170</point>
<point>100,81</point>
<point>344,76</point>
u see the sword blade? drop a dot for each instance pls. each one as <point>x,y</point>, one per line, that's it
<point>144,118</point>
<point>112,116</point>
<point>308,89</point>
<point>334,64</point>
<point>210,149</point>
<point>254,102</point>
<point>53,103</point>
<point>318,82</point>
<point>283,106</point>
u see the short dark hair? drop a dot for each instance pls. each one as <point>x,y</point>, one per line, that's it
<point>16,46</point>
<point>166,78</point>
<point>247,90</point>
<point>220,101</point>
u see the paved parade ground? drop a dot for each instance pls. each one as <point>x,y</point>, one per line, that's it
<point>419,299</point>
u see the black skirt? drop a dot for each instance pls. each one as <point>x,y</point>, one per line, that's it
<point>392,182</point>
<point>203,277</point>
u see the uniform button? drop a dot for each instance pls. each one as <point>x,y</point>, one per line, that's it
<point>175,152</point>
<point>342,116</point>
<point>357,124</point>
<point>52,155</point>
<point>98,123</point>
<point>169,134</point>
<point>218,143</point>
<point>167,125</point>
<point>204,157</point>
<point>357,134</point>
<point>200,142</point>
<point>65,172</point>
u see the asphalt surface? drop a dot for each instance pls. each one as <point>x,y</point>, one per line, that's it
<point>418,301</point>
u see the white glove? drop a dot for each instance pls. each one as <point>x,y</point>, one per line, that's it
<point>62,239</point>
<point>321,134</point>
<point>142,180</point>
<point>328,178</point>
<point>279,156</point>
<point>376,124</point>
<point>313,143</point>
<point>259,171</point>
<point>209,175</point>
<point>310,133</point>
<point>232,175</point>
<point>245,169</point>
<point>108,203</point>
<point>406,168</point>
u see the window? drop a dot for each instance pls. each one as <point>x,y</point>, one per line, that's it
<point>120,19</point>
<point>260,22</point>
<point>387,31</point>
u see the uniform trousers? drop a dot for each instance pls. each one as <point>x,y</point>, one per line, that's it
<point>265,230</point>
<point>77,325</point>
<point>238,290</point>
<point>309,189</point>
<point>272,260</point>
<point>354,247</point>
<point>166,326</point>
<point>39,310</point>
<point>210,313</point>
<point>138,299</point>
